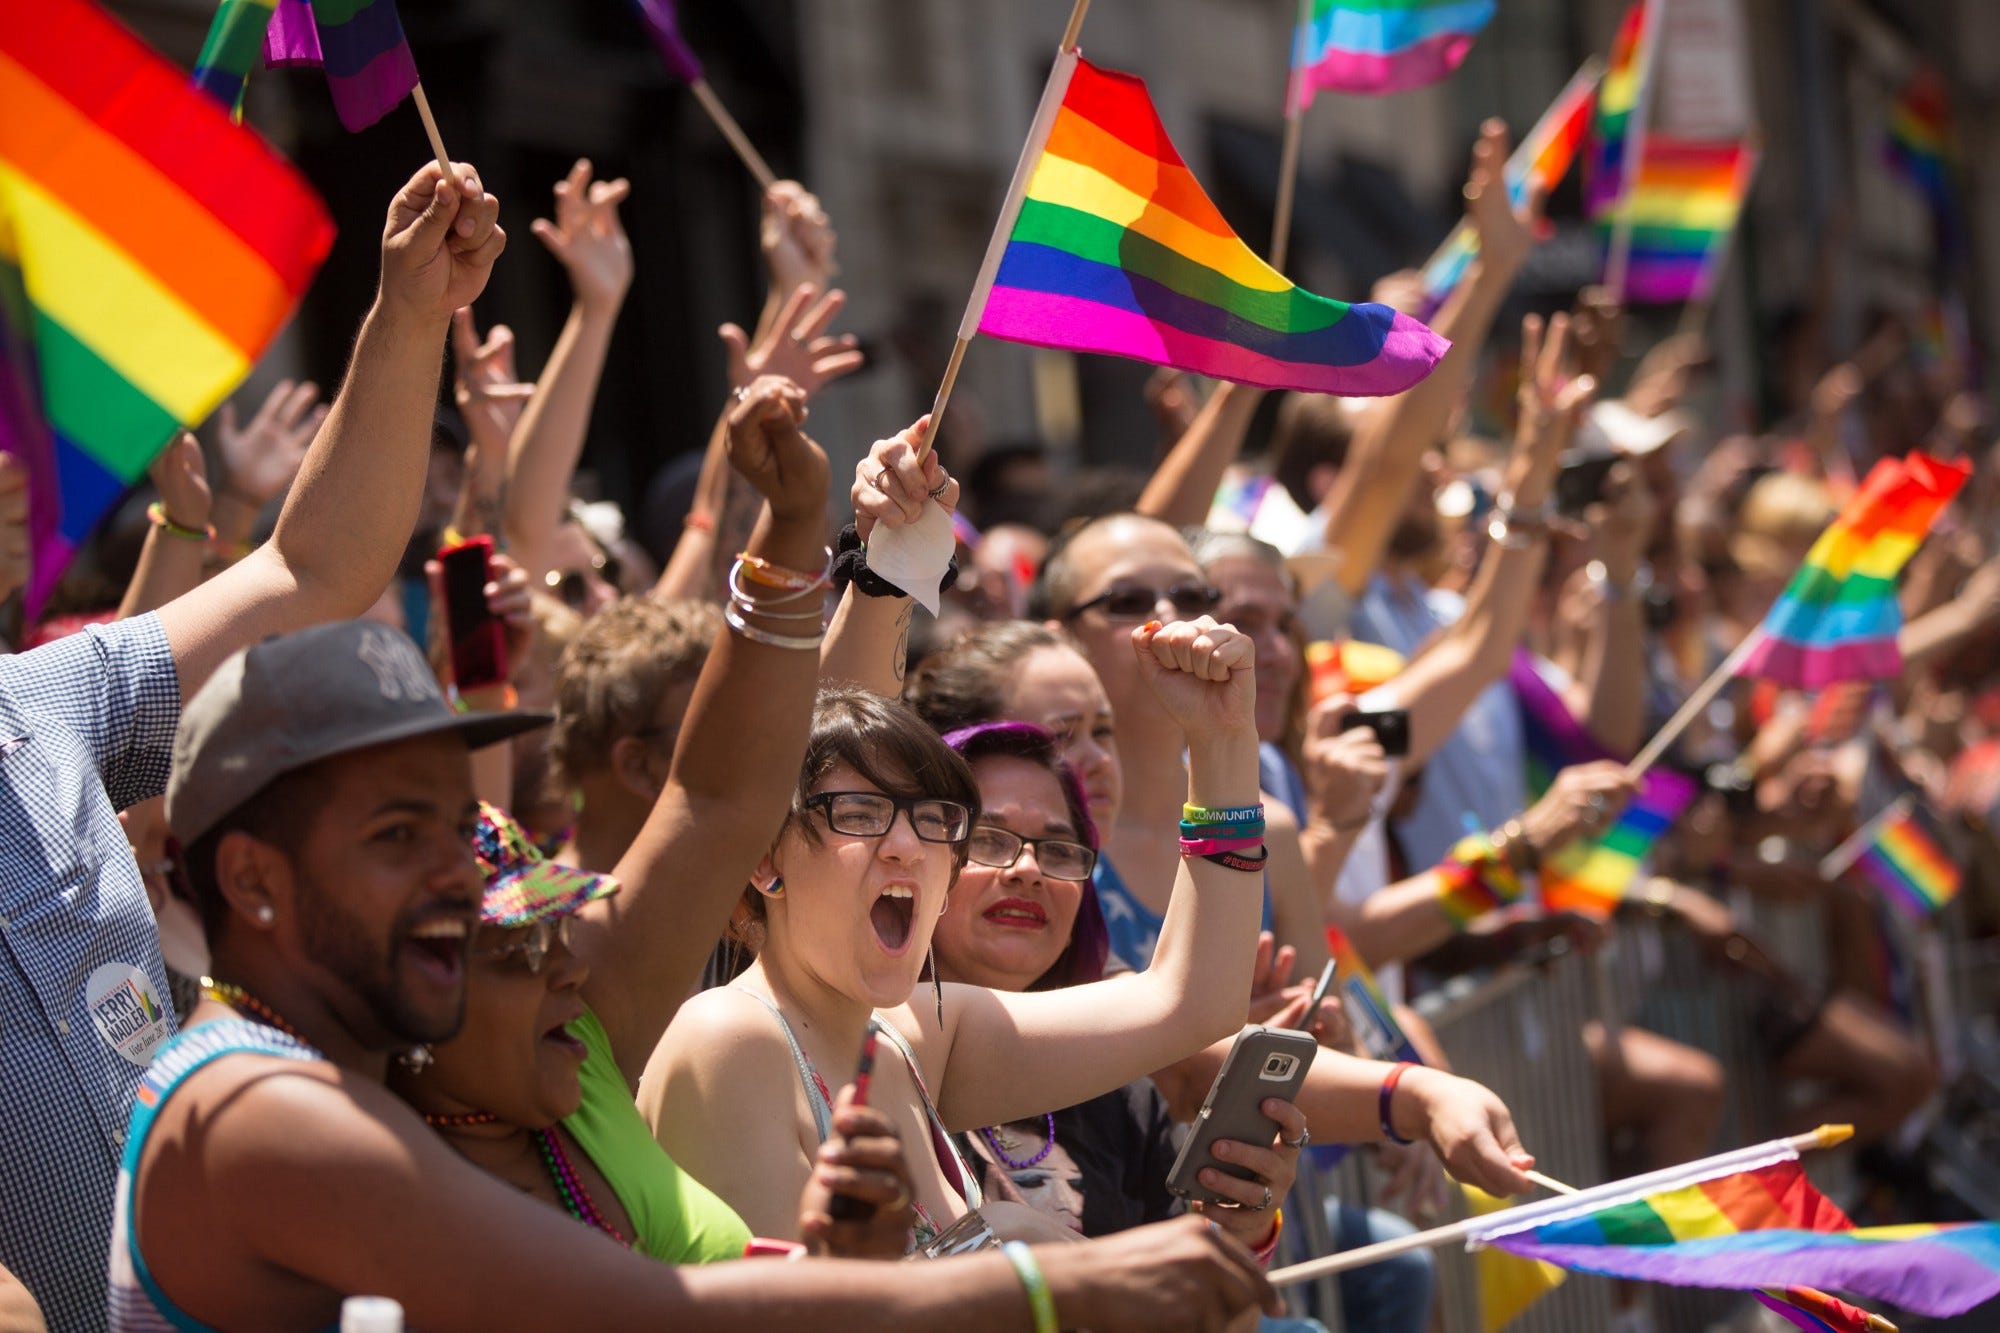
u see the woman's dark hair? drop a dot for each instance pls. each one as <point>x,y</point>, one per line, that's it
<point>965,682</point>
<point>1082,960</point>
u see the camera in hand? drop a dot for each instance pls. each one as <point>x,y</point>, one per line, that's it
<point>1390,725</point>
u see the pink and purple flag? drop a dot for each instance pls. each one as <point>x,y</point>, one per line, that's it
<point>664,27</point>
<point>360,43</point>
<point>1381,46</point>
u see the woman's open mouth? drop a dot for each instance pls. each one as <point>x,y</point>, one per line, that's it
<point>891,914</point>
<point>1017,914</point>
<point>560,1037</point>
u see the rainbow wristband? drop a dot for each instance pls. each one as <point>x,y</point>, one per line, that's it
<point>1473,881</point>
<point>1040,1303</point>
<point>1210,846</point>
<point>1264,1253</point>
<point>1239,814</point>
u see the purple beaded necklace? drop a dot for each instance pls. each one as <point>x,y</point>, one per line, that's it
<point>575,1199</point>
<point>993,1141</point>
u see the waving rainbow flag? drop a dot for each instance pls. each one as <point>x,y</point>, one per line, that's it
<point>149,251</point>
<point>234,39</point>
<point>1614,133</point>
<point>1107,243</point>
<point>1904,861</point>
<point>1817,1312</point>
<point>1536,166</point>
<point>1381,46</point>
<point>1838,617</point>
<point>1758,1227</point>
<point>1919,136</point>
<point>369,68</point>
<point>1682,205</point>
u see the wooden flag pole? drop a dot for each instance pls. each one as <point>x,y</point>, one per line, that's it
<point>1530,1214</point>
<point>1288,160</point>
<point>1704,695</point>
<point>1618,254</point>
<point>431,128</point>
<point>733,132</point>
<point>1017,190</point>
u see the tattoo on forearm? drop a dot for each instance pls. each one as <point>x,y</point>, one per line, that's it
<point>900,662</point>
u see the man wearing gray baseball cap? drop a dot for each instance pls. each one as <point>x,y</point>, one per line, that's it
<point>86,724</point>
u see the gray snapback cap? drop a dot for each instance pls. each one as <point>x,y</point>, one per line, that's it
<point>294,700</point>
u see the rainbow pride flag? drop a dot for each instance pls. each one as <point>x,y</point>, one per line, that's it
<point>149,251</point>
<point>1817,1312</point>
<point>663,25</point>
<point>1109,244</point>
<point>360,43</point>
<point>1612,127</point>
<point>1758,1227</point>
<point>1918,140</point>
<point>1380,46</point>
<point>234,39</point>
<point>1838,617</point>
<point>1903,860</point>
<point>1592,876</point>
<point>1682,205</point>
<point>1368,1009</point>
<point>1536,166</point>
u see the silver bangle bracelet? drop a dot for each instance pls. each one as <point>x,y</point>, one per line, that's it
<point>736,589</point>
<point>805,643</point>
<point>817,615</point>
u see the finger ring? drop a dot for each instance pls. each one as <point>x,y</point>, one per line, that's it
<point>902,1199</point>
<point>1266,1205</point>
<point>937,492</point>
<point>1597,802</point>
<point>740,392</point>
<point>881,475</point>
<point>1305,1137</point>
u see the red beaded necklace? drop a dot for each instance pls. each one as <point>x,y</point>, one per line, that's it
<point>225,992</point>
<point>464,1121</point>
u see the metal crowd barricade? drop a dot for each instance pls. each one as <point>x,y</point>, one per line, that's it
<point>1520,1032</point>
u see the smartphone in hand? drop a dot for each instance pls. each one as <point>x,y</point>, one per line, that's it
<point>1263,1063</point>
<point>477,638</point>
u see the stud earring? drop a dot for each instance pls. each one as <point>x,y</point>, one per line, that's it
<point>265,914</point>
<point>417,1059</point>
<point>776,889</point>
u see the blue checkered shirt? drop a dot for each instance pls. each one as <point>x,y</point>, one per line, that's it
<point>86,729</point>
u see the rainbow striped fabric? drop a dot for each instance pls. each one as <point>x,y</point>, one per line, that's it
<point>149,251</point>
<point>1766,1226</point>
<point>1838,617</point>
<point>1381,46</point>
<point>1682,204</point>
<point>1592,876</point>
<point>1537,166</point>
<point>1919,136</point>
<point>235,38</point>
<point>1617,99</point>
<point>1903,860</point>
<point>663,25</point>
<point>1368,1009</point>
<point>1116,248</point>
<point>369,68</point>
<point>1817,1312</point>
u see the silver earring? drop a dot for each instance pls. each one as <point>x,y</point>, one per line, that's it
<point>265,914</point>
<point>417,1059</point>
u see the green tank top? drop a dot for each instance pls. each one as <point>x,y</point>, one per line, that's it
<point>678,1219</point>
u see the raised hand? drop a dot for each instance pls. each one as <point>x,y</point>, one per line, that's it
<point>1583,801</point>
<point>1468,1127</point>
<point>484,383</point>
<point>1598,333</point>
<point>1203,674</point>
<point>16,550</point>
<point>181,477</point>
<point>588,239</point>
<point>892,484</point>
<point>439,243</point>
<point>862,1160</point>
<point>260,460</point>
<point>1271,976</point>
<point>768,446</point>
<point>798,346</point>
<point>1506,233</point>
<point>1343,770</point>
<point>797,238</point>
<point>1551,403</point>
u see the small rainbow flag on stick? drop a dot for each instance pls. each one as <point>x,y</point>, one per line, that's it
<point>149,251</point>
<point>1919,136</point>
<point>1592,876</point>
<point>360,43</point>
<point>1816,1312</point>
<point>1681,208</point>
<point>1537,166</point>
<point>1612,125</point>
<point>1838,617</point>
<point>234,40</point>
<point>1381,46</point>
<point>1900,856</point>
<point>1107,243</point>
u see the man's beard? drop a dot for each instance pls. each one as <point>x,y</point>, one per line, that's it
<point>341,945</point>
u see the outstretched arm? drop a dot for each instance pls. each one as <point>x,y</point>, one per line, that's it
<point>355,502</point>
<point>589,240</point>
<point>1007,1053</point>
<point>1183,486</point>
<point>735,763</point>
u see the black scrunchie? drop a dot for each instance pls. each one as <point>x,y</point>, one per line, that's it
<point>850,565</point>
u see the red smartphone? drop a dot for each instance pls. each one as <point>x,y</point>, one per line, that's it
<point>477,638</point>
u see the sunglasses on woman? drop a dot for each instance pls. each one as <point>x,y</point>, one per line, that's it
<point>530,944</point>
<point>869,814</point>
<point>1059,858</point>
<point>1188,600</point>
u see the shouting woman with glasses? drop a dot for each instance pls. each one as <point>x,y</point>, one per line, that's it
<point>842,913</point>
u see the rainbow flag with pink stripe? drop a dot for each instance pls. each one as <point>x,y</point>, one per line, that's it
<point>1759,1227</point>
<point>1919,136</point>
<point>1536,166</point>
<point>1838,618</point>
<point>360,43</point>
<point>1906,863</point>
<point>1612,130</point>
<point>1113,246</point>
<point>1682,205</point>
<point>1816,1312</point>
<point>1381,46</point>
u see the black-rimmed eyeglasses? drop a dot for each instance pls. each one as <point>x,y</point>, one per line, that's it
<point>868,814</point>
